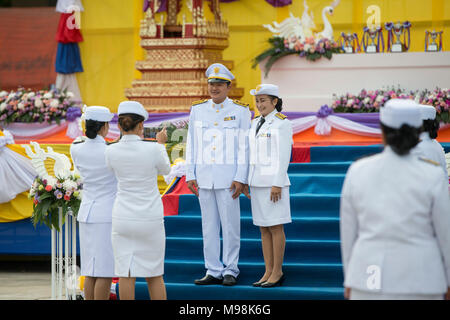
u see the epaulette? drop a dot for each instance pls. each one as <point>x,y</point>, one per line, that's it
<point>429,161</point>
<point>240,103</point>
<point>281,116</point>
<point>79,139</point>
<point>111,142</point>
<point>149,140</point>
<point>199,102</point>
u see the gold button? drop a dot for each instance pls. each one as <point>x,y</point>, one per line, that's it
<point>217,110</point>
<point>214,136</point>
<point>214,148</point>
<point>212,159</point>
<point>215,123</point>
<point>221,106</point>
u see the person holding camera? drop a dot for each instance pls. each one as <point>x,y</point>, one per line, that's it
<point>138,234</point>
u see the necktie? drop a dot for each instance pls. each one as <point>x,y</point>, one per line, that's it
<point>260,123</point>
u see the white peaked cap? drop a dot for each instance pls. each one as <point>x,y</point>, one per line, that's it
<point>269,89</point>
<point>132,107</point>
<point>219,72</point>
<point>98,113</point>
<point>428,112</point>
<point>397,112</point>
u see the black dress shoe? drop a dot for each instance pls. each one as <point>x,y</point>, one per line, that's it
<point>273,284</point>
<point>258,284</point>
<point>208,279</point>
<point>229,280</point>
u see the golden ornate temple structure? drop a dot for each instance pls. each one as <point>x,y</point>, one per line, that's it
<point>177,56</point>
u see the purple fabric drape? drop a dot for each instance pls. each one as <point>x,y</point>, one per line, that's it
<point>275,3</point>
<point>368,119</point>
<point>162,7</point>
<point>279,3</point>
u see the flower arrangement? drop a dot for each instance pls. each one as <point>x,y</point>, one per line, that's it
<point>371,101</point>
<point>53,193</point>
<point>368,101</point>
<point>311,48</point>
<point>25,105</point>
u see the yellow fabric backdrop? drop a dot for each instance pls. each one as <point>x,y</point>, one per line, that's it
<point>111,36</point>
<point>20,207</point>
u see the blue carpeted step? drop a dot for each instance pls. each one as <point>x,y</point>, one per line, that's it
<point>297,251</point>
<point>296,274</point>
<point>325,228</point>
<point>316,183</point>
<point>302,205</point>
<point>183,291</point>
<point>342,153</point>
<point>319,167</point>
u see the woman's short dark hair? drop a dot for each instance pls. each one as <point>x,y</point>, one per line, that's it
<point>93,127</point>
<point>279,105</point>
<point>432,127</point>
<point>129,121</point>
<point>401,140</point>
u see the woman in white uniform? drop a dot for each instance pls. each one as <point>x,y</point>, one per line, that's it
<point>428,147</point>
<point>138,235</point>
<point>270,143</point>
<point>94,216</point>
<point>394,217</point>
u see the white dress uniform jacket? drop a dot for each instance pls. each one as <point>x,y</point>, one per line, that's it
<point>395,223</point>
<point>217,144</point>
<point>270,151</point>
<point>99,183</point>
<point>432,150</point>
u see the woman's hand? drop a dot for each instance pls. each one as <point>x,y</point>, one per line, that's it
<point>246,191</point>
<point>447,295</point>
<point>237,187</point>
<point>275,194</point>
<point>347,293</point>
<point>161,137</point>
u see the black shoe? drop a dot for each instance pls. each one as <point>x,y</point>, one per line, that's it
<point>258,284</point>
<point>229,280</point>
<point>208,279</point>
<point>273,284</point>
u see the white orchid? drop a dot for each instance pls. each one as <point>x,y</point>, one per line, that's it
<point>38,103</point>
<point>54,103</point>
<point>48,95</point>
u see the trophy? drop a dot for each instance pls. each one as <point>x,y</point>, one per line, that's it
<point>395,33</point>
<point>350,42</point>
<point>433,46</point>
<point>375,35</point>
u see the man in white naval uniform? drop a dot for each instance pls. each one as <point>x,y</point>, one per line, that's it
<point>217,170</point>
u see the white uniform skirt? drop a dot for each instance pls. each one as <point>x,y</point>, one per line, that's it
<point>139,247</point>
<point>96,253</point>
<point>267,213</point>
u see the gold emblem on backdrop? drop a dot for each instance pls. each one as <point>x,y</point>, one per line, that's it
<point>177,56</point>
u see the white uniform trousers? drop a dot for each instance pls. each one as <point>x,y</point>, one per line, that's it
<point>356,294</point>
<point>220,209</point>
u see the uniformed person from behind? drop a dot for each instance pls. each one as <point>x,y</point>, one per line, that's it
<point>428,147</point>
<point>95,214</point>
<point>217,169</point>
<point>270,141</point>
<point>394,217</point>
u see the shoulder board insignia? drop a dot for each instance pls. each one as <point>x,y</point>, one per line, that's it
<point>430,161</point>
<point>240,103</point>
<point>111,142</point>
<point>281,116</point>
<point>79,139</point>
<point>199,102</point>
<point>149,140</point>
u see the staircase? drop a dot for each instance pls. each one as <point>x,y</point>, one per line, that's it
<point>312,263</point>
